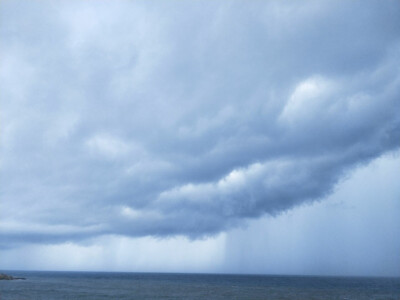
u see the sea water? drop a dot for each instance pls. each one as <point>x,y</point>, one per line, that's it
<point>102,285</point>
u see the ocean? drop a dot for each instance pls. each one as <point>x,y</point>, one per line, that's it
<point>103,285</point>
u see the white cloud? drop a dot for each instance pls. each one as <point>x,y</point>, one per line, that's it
<point>108,146</point>
<point>352,232</point>
<point>307,101</point>
<point>170,119</point>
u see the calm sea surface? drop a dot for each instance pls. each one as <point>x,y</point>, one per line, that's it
<point>88,285</point>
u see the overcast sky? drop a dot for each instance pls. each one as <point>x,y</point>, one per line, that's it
<point>201,136</point>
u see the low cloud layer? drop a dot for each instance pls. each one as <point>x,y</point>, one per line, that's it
<point>171,118</point>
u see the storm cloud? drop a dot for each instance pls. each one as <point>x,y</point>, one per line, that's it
<point>154,118</point>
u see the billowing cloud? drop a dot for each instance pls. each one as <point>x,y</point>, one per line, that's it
<point>160,118</point>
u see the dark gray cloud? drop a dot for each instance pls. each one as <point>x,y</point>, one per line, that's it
<point>166,118</point>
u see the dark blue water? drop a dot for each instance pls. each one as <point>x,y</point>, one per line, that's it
<point>93,285</point>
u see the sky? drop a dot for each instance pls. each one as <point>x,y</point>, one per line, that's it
<point>201,136</point>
